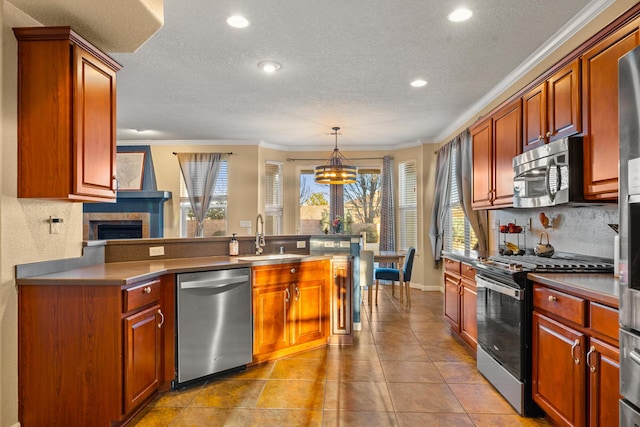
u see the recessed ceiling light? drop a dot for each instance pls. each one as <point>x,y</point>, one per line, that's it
<point>460,14</point>
<point>269,66</point>
<point>237,21</point>
<point>418,83</point>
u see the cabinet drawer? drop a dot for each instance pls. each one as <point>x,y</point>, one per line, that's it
<point>562,305</point>
<point>604,320</point>
<point>468,271</point>
<point>452,265</point>
<point>141,295</point>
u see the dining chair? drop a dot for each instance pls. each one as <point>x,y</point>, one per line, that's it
<point>393,274</point>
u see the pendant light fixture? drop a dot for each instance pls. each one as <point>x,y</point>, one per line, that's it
<point>336,170</point>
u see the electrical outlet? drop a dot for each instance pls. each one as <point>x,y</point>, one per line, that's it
<point>54,228</point>
<point>156,251</point>
<point>301,244</point>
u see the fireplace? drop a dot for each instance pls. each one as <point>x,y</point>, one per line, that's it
<point>120,230</point>
<point>145,209</point>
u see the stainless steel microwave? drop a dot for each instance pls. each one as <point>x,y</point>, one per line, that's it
<point>549,175</point>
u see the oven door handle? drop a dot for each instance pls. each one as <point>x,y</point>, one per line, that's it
<point>481,282</point>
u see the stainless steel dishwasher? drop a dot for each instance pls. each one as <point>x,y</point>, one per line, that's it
<point>214,322</point>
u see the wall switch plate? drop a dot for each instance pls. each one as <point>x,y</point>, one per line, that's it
<point>54,228</point>
<point>156,251</point>
<point>301,244</point>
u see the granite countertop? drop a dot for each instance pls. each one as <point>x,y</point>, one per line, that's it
<point>129,273</point>
<point>598,287</point>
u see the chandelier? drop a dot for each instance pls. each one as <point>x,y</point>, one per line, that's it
<point>336,170</point>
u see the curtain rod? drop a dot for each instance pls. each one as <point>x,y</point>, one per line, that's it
<point>230,153</point>
<point>289,159</point>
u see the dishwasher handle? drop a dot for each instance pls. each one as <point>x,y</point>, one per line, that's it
<point>214,283</point>
<point>483,282</point>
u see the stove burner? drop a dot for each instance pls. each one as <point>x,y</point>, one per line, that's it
<point>562,263</point>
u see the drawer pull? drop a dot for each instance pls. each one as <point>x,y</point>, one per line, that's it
<point>293,270</point>
<point>591,351</point>
<point>552,298</point>
<point>146,290</point>
<point>162,321</point>
<point>576,343</point>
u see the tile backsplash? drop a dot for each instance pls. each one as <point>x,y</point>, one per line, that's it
<point>581,230</point>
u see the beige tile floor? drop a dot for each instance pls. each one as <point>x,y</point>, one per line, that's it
<point>404,369</point>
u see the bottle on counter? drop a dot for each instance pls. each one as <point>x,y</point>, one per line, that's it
<point>233,246</point>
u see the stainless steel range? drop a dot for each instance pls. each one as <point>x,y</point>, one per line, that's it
<point>504,313</point>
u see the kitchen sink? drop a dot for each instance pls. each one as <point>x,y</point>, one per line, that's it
<point>270,257</point>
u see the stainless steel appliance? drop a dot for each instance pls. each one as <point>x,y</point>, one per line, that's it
<point>629,208</point>
<point>549,175</point>
<point>214,322</point>
<point>504,310</point>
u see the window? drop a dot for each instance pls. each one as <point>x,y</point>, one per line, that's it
<point>215,223</point>
<point>361,204</point>
<point>407,206</point>
<point>273,199</point>
<point>459,236</point>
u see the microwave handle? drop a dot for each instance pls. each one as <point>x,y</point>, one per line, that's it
<point>547,180</point>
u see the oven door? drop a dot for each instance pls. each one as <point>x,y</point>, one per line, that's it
<point>501,311</point>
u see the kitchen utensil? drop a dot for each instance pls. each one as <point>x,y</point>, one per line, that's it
<point>544,249</point>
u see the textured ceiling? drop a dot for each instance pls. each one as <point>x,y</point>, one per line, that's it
<point>344,63</point>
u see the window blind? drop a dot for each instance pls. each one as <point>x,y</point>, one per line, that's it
<point>458,235</point>
<point>408,205</point>
<point>274,188</point>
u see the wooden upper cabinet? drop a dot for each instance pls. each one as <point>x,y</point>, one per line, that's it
<point>600,111</point>
<point>482,137</point>
<point>496,141</point>
<point>551,110</point>
<point>66,117</point>
<point>534,121</point>
<point>507,140</point>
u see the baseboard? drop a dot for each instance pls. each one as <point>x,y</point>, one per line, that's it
<point>426,288</point>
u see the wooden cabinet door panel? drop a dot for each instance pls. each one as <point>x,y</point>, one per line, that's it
<point>452,301</point>
<point>564,102</point>
<point>600,111</point>
<point>482,138</point>
<point>309,311</point>
<point>604,383</point>
<point>95,126</point>
<point>559,383</point>
<point>534,117</point>
<point>468,314</point>
<point>507,135</point>
<point>271,318</point>
<point>142,356</point>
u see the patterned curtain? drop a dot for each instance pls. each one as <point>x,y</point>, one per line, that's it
<point>477,218</point>
<point>387,215</point>
<point>200,172</point>
<point>440,201</point>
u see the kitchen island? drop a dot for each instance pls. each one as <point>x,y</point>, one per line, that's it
<point>97,342</point>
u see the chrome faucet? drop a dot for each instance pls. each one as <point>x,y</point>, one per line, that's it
<point>260,243</point>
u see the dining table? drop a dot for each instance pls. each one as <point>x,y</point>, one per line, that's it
<point>397,258</point>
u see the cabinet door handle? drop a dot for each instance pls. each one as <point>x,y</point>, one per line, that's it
<point>162,317</point>
<point>576,343</point>
<point>297,293</point>
<point>592,367</point>
<point>286,299</point>
<point>146,290</point>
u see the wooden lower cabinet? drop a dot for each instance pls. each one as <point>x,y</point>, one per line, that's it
<point>290,308</point>
<point>92,355</point>
<point>142,351</point>
<point>460,300</point>
<point>576,363</point>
